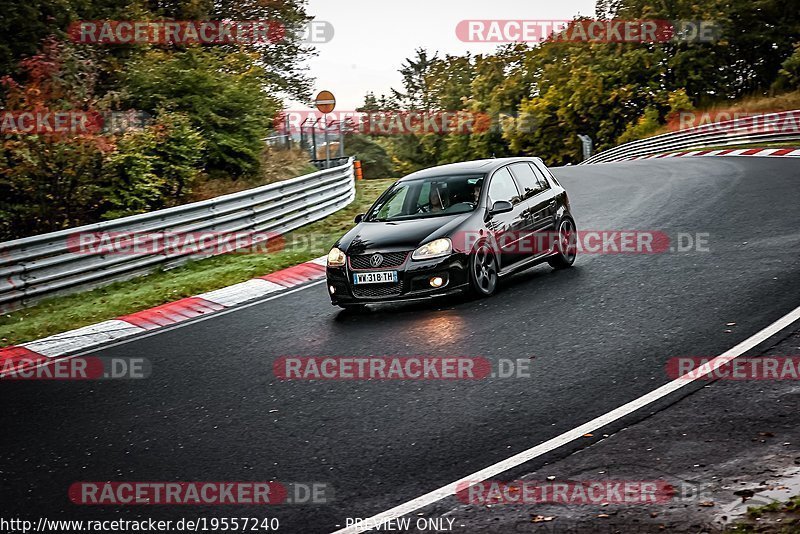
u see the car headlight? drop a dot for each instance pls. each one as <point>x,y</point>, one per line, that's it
<point>434,249</point>
<point>336,258</point>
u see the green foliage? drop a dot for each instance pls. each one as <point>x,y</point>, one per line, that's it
<point>220,93</point>
<point>153,168</point>
<point>789,75</point>
<point>212,106</point>
<point>133,186</point>
<point>646,126</point>
<point>48,184</point>
<point>416,94</point>
<point>51,181</point>
<point>23,26</point>
<point>375,161</point>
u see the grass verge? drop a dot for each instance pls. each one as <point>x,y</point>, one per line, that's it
<point>74,311</point>
<point>774,518</point>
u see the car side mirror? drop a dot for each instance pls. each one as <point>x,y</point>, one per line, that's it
<point>501,206</point>
<point>359,218</point>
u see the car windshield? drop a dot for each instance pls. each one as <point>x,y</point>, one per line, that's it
<point>428,197</point>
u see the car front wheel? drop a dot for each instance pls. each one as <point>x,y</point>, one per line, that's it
<point>483,271</point>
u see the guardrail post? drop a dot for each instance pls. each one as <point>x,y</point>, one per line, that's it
<point>327,144</point>
<point>341,139</point>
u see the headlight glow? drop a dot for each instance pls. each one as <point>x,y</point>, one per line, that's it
<point>336,258</point>
<point>434,249</point>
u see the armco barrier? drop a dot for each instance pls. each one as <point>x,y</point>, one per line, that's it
<point>41,266</point>
<point>758,129</point>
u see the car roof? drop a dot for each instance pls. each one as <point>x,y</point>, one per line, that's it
<point>483,166</point>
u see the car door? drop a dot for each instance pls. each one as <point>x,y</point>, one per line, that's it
<point>508,228</point>
<point>529,187</point>
<point>543,209</point>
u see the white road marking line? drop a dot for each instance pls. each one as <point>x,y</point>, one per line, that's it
<point>571,435</point>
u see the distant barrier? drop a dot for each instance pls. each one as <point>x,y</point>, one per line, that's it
<point>758,129</point>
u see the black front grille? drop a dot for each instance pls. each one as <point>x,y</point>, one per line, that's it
<point>390,259</point>
<point>377,290</point>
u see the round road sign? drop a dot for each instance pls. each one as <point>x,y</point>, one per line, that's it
<point>325,102</point>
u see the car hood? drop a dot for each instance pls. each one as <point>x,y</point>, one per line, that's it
<point>398,235</point>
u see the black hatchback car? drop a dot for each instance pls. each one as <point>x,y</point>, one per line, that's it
<point>452,228</point>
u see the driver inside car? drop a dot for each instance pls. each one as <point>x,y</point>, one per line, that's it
<point>438,200</point>
<point>476,192</point>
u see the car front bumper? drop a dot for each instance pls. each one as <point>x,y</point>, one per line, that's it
<point>413,281</point>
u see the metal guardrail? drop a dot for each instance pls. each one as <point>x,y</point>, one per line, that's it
<point>46,265</point>
<point>772,127</point>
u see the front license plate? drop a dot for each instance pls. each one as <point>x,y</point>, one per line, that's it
<point>377,277</point>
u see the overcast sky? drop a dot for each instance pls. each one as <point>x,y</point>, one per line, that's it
<point>373,37</point>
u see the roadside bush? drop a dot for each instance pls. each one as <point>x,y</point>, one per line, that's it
<point>153,168</point>
<point>789,75</point>
<point>375,161</point>
<point>222,94</point>
<point>53,180</point>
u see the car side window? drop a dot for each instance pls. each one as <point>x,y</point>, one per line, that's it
<point>424,193</point>
<point>394,205</point>
<point>546,172</point>
<point>544,185</point>
<point>527,179</point>
<point>503,187</point>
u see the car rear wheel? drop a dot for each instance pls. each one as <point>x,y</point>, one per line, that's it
<point>483,271</point>
<point>566,245</point>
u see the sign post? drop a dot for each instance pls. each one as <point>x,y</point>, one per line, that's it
<point>325,103</point>
<point>586,141</point>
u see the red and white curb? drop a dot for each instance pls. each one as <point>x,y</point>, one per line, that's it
<point>33,353</point>
<point>791,152</point>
